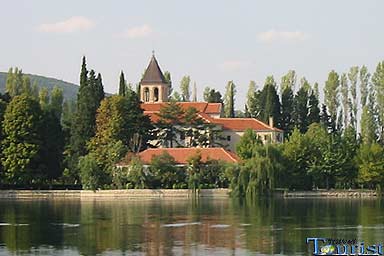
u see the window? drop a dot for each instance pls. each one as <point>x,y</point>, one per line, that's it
<point>146,94</point>
<point>156,94</point>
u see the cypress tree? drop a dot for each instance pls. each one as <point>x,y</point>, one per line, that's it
<point>229,101</point>
<point>287,101</point>
<point>301,109</point>
<point>83,127</point>
<point>122,84</point>
<point>314,110</point>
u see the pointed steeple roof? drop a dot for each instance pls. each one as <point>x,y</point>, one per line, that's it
<point>153,74</point>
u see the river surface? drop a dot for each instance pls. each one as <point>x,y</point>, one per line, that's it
<point>184,227</point>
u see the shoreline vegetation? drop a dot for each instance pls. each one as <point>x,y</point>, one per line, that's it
<point>220,193</point>
<point>46,142</point>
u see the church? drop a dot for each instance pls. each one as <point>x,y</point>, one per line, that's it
<point>154,95</point>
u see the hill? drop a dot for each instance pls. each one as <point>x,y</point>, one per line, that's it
<point>69,89</point>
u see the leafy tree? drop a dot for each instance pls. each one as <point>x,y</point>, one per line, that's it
<point>345,99</point>
<point>297,152</point>
<point>287,108</point>
<point>92,176</point>
<point>229,100</point>
<point>212,96</point>
<point>250,93</point>
<point>44,98</point>
<point>165,174</point>
<point>22,144</point>
<point>301,109</point>
<point>185,88</point>
<point>266,103</point>
<point>246,147</point>
<point>176,97</point>
<point>288,81</point>
<point>364,85</point>
<point>331,90</point>
<point>314,110</point>
<point>170,118</point>
<point>83,126</point>
<point>370,161</point>
<point>14,82</point>
<point>57,102</point>
<point>168,79</point>
<point>378,83</point>
<point>353,75</point>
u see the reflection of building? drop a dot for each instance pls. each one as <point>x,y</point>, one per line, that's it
<point>154,95</point>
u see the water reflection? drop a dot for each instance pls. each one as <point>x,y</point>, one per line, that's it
<point>183,227</point>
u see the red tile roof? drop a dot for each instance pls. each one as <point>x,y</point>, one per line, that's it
<point>241,124</point>
<point>210,108</point>
<point>205,109</point>
<point>181,155</point>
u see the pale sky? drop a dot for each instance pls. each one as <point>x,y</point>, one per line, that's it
<point>212,41</point>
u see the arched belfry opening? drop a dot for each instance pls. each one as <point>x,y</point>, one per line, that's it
<point>153,85</point>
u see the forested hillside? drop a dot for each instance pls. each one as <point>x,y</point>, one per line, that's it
<point>69,89</point>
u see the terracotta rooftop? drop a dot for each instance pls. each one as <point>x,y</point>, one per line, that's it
<point>204,107</point>
<point>241,124</point>
<point>153,74</point>
<point>181,155</point>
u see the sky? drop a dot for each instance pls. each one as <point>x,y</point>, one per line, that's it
<point>212,41</point>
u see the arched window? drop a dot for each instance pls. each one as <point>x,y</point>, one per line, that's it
<point>156,94</point>
<point>146,94</point>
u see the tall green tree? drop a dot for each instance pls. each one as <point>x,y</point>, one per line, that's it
<point>331,91</point>
<point>251,93</point>
<point>364,85</point>
<point>344,90</point>
<point>266,103</point>
<point>122,84</point>
<point>378,83</point>
<point>83,126</point>
<point>14,82</point>
<point>313,108</point>
<point>168,79</point>
<point>22,143</point>
<point>56,104</point>
<point>353,76</point>
<point>287,85</point>
<point>185,88</point>
<point>301,108</point>
<point>229,100</point>
<point>212,96</point>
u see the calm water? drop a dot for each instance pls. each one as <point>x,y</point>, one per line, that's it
<point>183,227</point>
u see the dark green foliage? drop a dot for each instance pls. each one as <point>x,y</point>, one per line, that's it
<point>301,110</point>
<point>122,84</point>
<point>266,103</point>
<point>92,177</point>
<point>53,144</point>
<point>260,174</point>
<point>22,143</point>
<point>314,110</point>
<point>247,145</point>
<point>164,173</point>
<point>287,106</point>
<point>212,96</point>
<point>83,126</point>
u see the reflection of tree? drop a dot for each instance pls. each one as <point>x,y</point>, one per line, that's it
<point>275,226</point>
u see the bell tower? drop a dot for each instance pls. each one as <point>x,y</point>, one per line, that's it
<point>153,87</point>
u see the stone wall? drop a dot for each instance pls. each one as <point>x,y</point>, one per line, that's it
<point>331,194</point>
<point>113,194</point>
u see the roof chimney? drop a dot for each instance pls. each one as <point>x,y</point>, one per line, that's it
<point>271,121</point>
